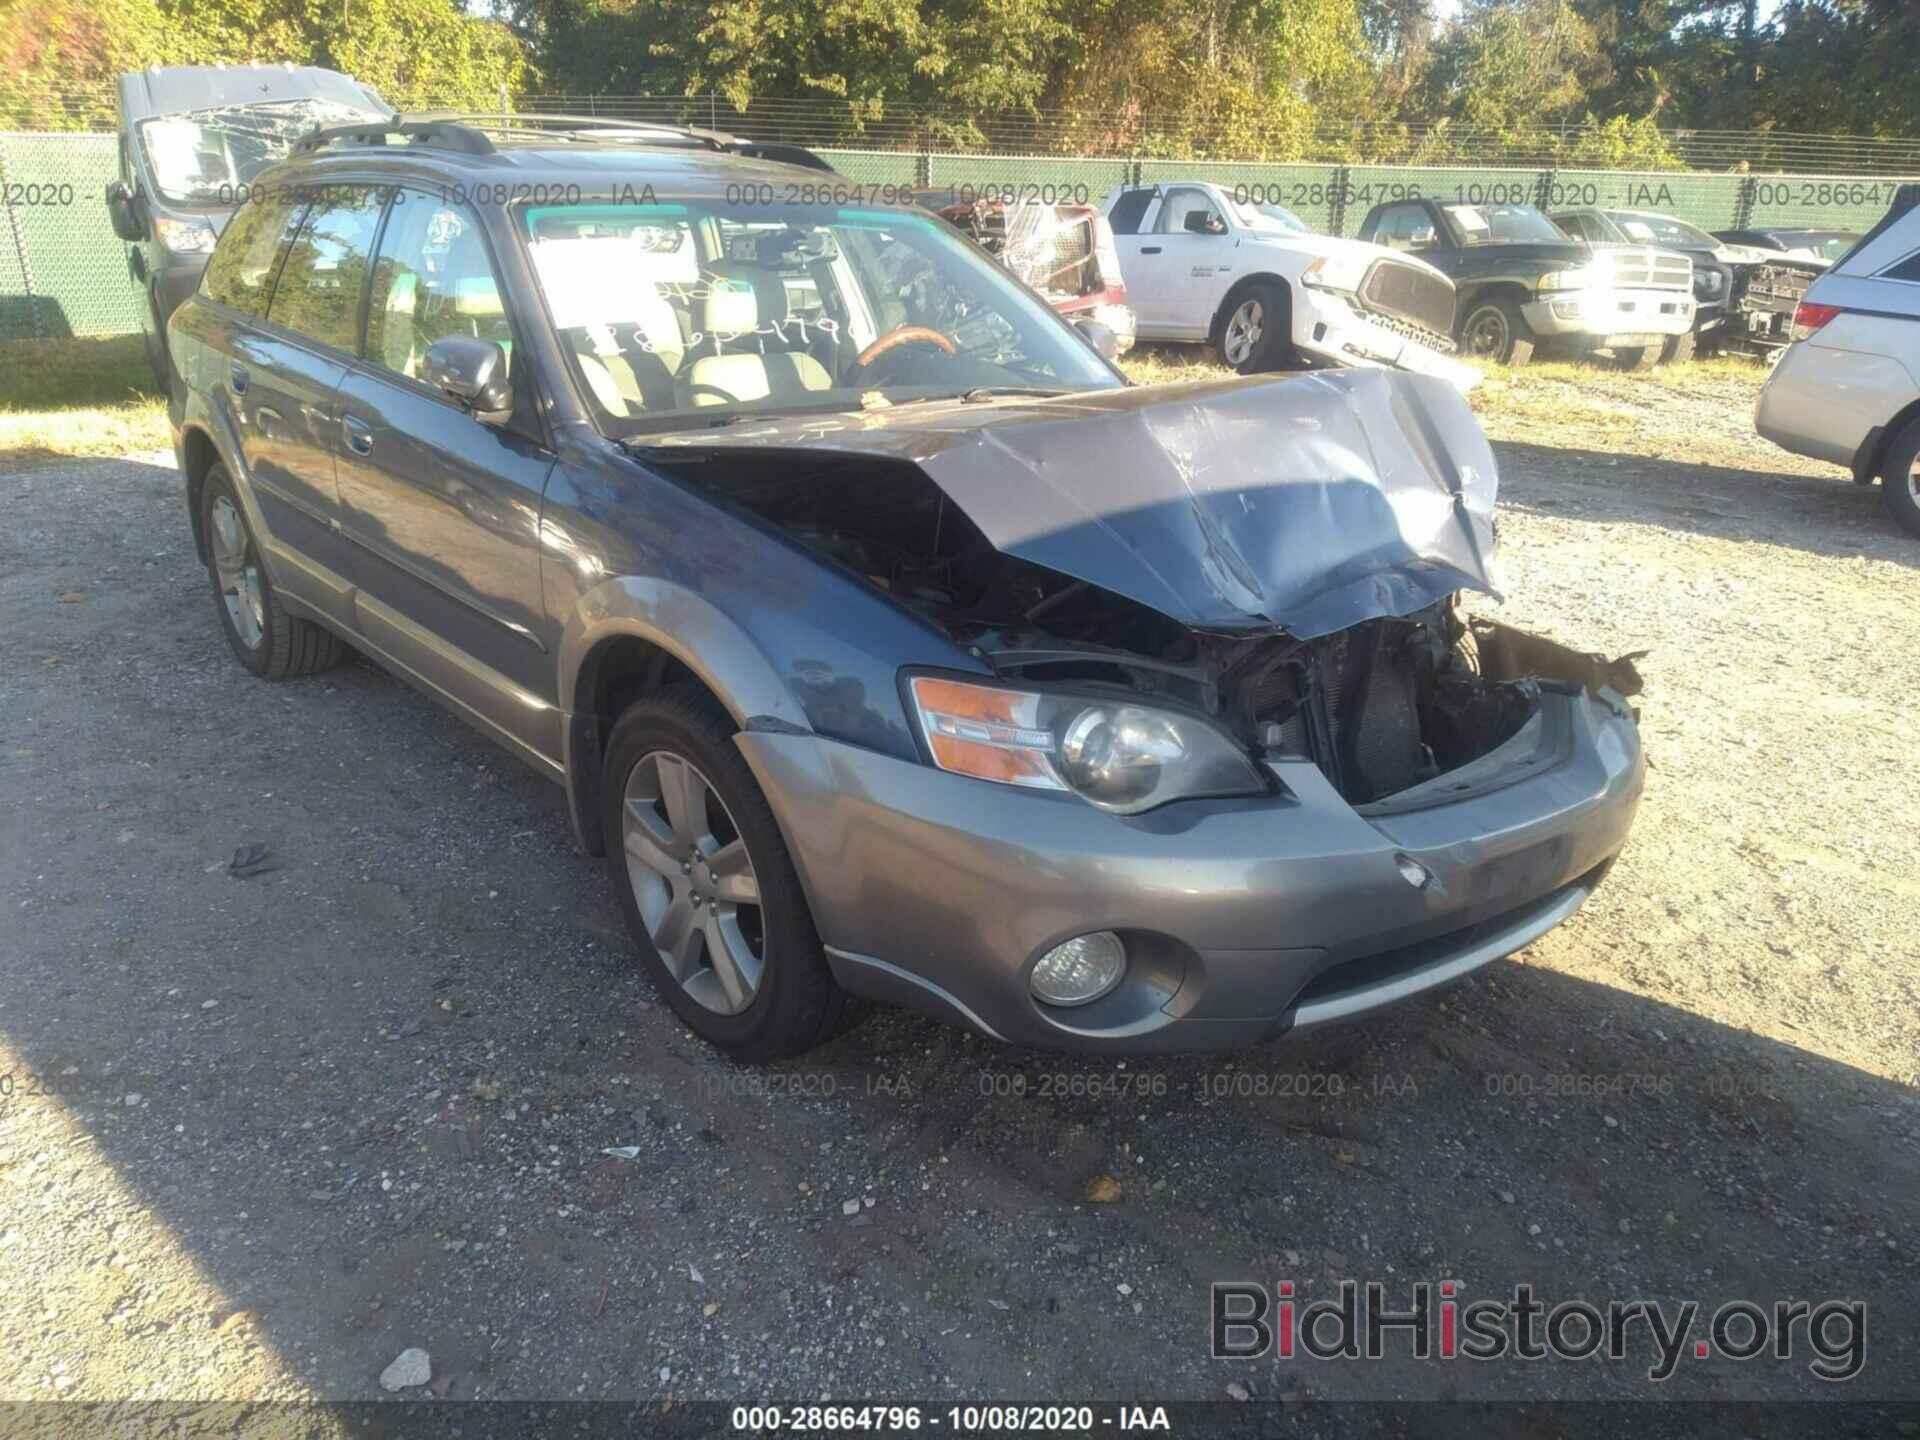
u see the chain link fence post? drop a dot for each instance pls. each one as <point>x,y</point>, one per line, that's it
<point>1743,203</point>
<point>1342,184</point>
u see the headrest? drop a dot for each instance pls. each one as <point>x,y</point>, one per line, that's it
<point>729,308</point>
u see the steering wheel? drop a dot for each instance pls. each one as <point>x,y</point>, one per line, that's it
<point>904,335</point>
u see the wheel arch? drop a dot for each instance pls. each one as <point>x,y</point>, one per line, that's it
<point>630,637</point>
<point>1237,291</point>
<point>1469,295</point>
<point>198,456</point>
<point>1872,457</point>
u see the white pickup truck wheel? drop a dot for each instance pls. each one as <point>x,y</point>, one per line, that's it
<point>1252,331</point>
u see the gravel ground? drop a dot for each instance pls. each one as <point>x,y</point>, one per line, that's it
<point>265,1134</point>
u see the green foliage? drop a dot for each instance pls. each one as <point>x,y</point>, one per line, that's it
<point>1619,144</point>
<point>1351,80</point>
<point>59,58</point>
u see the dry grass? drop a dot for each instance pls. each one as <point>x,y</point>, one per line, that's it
<point>66,398</point>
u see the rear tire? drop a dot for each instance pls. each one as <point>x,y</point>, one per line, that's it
<point>263,636</point>
<point>1254,330</point>
<point>1494,329</point>
<point>1900,478</point>
<point>677,790</point>
<point>1680,349</point>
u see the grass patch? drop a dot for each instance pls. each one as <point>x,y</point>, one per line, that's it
<point>65,398</point>
<point>1165,364</point>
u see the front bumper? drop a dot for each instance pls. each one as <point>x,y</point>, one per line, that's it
<point>1330,328</point>
<point>1243,918</point>
<point>1613,316</point>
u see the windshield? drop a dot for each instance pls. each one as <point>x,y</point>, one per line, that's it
<point>208,157</point>
<point>1271,217</point>
<point>1503,225</point>
<point>696,313</point>
<point>1661,230</point>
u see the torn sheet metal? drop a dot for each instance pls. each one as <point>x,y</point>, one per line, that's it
<point>1306,503</point>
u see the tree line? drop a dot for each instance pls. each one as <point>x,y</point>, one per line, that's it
<point>1587,82</point>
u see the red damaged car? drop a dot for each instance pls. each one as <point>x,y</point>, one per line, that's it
<point>1064,251</point>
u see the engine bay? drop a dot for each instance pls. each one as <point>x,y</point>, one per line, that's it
<point>1381,707</point>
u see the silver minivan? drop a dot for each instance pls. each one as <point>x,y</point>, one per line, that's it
<point>1848,388</point>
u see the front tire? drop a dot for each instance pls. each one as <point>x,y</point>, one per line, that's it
<point>1680,348</point>
<point>1494,329</point>
<point>1637,357</point>
<point>1254,329</point>
<point>1900,479</point>
<point>707,885</point>
<point>271,643</point>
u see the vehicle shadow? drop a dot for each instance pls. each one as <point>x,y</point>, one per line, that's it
<point>1820,514</point>
<point>375,1085</point>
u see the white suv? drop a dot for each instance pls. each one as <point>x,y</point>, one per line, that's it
<point>1848,388</point>
<point>1256,283</point>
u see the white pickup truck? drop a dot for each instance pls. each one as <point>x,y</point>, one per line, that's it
<point>1265,291</point>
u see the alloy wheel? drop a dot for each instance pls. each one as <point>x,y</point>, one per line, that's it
<point>1913,481</point>
<point>694,882</point>
<point>1486,335</point>
<point>237,568</point>
<point>1244,328</point>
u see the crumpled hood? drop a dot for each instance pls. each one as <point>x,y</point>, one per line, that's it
<point>1308,503</point>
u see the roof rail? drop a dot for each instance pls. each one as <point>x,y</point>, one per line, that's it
<point>468,132</point>
<point>603,126</point>
<point>446,134</point>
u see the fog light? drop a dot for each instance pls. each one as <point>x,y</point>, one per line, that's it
<point>1081,970</point>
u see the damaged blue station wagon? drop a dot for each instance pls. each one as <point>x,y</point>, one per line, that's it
<point>885,640</point>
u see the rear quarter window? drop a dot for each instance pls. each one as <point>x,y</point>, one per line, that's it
<point>244,263</point>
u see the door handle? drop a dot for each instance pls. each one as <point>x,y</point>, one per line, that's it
<point>238,378</point>
<point>1149,249</point>
<point>359,435</point>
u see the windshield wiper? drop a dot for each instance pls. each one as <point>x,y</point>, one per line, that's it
<point>989,392</point>
<point>712,420</point>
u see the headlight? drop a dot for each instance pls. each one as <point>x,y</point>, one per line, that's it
<point>1121,757</point>
<point>1578,278</point>
<point>185,237</point>
<point>1709,282</point>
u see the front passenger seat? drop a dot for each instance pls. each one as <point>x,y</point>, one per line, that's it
<point>744,378</point>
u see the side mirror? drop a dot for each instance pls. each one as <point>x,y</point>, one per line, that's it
<point>1100,336</point>
<point>471,372</point>
<point>1204,222</point>
<point>123,209</point>
<point>1421,238</point>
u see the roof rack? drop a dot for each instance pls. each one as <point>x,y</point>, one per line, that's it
<point>420,131</point>
<point>469,132</point>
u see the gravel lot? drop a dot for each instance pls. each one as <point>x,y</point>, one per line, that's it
<point>264,1134</point>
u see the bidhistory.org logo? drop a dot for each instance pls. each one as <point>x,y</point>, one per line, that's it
<point>1434,1322</point>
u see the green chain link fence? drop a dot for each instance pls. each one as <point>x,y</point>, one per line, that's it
<point>62,271</point>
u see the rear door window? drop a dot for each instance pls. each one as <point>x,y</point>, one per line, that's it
<point>325,273</point>
<point>248,256</point>
<point>1128,211</point>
